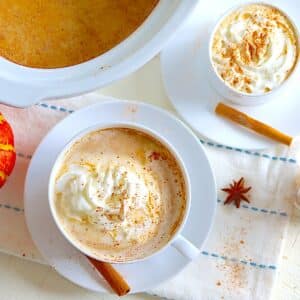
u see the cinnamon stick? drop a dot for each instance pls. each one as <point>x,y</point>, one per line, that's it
<point>112,276</point>
<point>243,119</point>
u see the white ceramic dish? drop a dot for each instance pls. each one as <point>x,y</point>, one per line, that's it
<point>22,86</point>
<point>185,74</point>
<point>59,253</point>
<point>235,96</point>
<point>178,241</point>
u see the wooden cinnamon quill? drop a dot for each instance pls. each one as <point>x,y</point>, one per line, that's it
<point>112,276</point>
<point>243,119</point>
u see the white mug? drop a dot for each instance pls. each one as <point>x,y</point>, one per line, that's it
<point>226,91</point>
<point>178,241</point>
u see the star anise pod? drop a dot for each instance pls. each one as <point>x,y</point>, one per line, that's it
<point>236,192</point>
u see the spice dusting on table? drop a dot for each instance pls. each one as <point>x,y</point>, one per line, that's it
<point>237,192</point>
<point>235,276</point>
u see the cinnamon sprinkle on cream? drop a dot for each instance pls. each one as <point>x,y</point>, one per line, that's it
<point>255,48</point>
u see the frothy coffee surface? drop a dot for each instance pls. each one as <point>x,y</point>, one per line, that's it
<point>254,49</point>
<point>120,194</point>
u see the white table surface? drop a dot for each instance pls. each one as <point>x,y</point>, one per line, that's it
<point>21,279</point>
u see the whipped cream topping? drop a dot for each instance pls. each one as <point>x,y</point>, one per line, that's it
<point>255,49</point>
<point>122,201</point>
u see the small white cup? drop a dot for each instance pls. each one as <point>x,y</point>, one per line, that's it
<point>178,241</point>
<point>225,90</point>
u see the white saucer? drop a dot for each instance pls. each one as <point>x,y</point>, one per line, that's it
<point>67,260</point>
<point>184,69</point>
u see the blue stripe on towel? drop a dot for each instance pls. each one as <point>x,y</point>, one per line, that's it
<point>209,143</point>
<point>55,107</point>
<point>242,261</point>
<point>204,253</point>
<point>245,206</point>
<point>261,210</point>
<point>27,156</point>
<point>7,206</point>
<point>258,154</point>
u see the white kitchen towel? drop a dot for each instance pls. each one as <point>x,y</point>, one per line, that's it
<point>241,256</point>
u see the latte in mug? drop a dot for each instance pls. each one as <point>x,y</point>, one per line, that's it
<point>255,49</point>
<point>119,194</point>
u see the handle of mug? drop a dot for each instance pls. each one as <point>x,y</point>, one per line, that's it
<point>185,247</point>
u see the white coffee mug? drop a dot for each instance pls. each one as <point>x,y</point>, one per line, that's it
<point>178,241</point>
<point>226,91</point>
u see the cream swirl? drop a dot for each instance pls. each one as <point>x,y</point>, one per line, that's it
<point>117,199</point>
<point>255,49</point>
